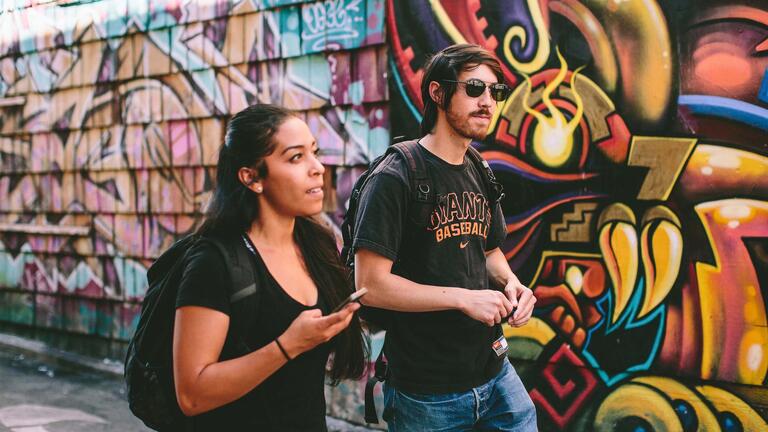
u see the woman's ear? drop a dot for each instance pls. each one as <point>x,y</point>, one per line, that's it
<point>436,92</point>
<point>249,179</point>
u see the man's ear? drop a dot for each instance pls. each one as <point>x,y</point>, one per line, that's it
<point>248,178</point>
<point>436,92</point>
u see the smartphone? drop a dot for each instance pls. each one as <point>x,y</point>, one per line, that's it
<point>355,296</point>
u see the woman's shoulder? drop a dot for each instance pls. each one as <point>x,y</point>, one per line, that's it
<point>204,272</point>
<point>204,252</point>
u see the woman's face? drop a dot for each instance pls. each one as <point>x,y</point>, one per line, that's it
<point>293,185</point>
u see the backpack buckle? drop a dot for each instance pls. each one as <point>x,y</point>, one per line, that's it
<point>422,192</point>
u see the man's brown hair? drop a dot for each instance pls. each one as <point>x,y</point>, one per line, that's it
<point>445,66</point>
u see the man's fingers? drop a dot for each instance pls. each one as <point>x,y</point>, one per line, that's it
<point>526,304</point>
<point>505,308</point>
<point>523,316</point>
<point>512,293</point>
<point>509,307</point>
<point>520,320</point>
<point>526,295</point>
<point>519,323</point>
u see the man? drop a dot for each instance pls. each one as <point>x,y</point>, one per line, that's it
<point>445,347</point>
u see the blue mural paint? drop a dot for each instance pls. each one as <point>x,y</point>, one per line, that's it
<point>625,322</point>
<point>401,89</point>
<point>731,109</point>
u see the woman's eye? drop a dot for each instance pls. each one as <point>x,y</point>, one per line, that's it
<point>316,152</point>
<point>295,157</point>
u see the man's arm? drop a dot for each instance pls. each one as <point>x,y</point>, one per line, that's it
<point>389,291</point>
<point>502,277</point>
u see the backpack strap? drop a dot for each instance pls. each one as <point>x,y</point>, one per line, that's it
<point>493,188</point>
<point>380,374</point>
<point>243,282</point>
<point>421,185</point>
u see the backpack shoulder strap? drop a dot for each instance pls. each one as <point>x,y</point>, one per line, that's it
<point>420,182</point>
<point>242,280</point>
<point>381,373</point>
<point>493,188</point>
<point>420,186</point>
<point>238,261</point>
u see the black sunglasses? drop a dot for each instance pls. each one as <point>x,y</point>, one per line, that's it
<point>474,88</point>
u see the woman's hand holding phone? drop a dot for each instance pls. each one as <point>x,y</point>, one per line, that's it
<point>354,297</point>
<point>311,328</point>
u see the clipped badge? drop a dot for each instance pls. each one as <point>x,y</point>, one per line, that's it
<point>500,346</point>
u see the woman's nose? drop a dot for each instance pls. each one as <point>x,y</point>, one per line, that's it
<point>317,166</point>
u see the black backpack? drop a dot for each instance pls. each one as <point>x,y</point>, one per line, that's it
<point>149,360</point>
<point>423,201</point>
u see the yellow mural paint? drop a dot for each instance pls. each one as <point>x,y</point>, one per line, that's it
<point>662,253</point>
<point>574,278</point>
<point>536,329</point>
<point>751,312</point>
<point>599,43</point>
<point>725,401</point>
<point>752,355</point>
<point>618,243</point>
<point>663,171</point>
<point>553,133</point>
<point>724,290</point>
<point>623,402</point>
<point>558,254</point>
<point>676,390</point>
<point>643,49</point>
<point>519,32</point>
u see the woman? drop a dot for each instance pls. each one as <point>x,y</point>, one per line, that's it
<point>268,184</point>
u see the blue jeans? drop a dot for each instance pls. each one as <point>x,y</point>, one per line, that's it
<point>501,404</point>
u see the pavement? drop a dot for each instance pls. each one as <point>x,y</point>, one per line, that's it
<point>45,389</point>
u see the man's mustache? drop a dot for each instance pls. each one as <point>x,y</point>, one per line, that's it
<point>481,112</point>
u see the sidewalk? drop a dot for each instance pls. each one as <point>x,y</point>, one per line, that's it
<point>44,385</point>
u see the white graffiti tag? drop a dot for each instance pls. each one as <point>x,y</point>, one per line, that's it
<point>331,22</point>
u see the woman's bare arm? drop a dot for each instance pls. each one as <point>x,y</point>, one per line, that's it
<point>204,383</point>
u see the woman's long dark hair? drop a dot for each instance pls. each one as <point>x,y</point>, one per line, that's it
<point>234,207</point>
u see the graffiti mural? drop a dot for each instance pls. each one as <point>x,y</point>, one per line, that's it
<point>111,115</point>
<point>633,150</point>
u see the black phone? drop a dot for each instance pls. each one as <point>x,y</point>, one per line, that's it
<point>355,296</point>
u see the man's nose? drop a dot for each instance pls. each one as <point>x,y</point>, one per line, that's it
<point>485,99</point>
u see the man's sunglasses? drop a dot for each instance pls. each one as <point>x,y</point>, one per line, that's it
<point>474,88</point>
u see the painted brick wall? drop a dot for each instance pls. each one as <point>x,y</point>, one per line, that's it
<point>634,164</point>
<point>112,113</point>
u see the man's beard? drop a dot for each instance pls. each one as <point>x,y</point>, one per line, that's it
<point>462,125</point>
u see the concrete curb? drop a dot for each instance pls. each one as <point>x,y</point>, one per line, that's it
<point>66,359</point>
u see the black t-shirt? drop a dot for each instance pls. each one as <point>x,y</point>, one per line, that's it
<point>292,398</point>
<point>445,351</point>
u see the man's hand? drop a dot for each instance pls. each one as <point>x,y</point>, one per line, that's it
<point>522,299</point>
<point>487,306</point>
